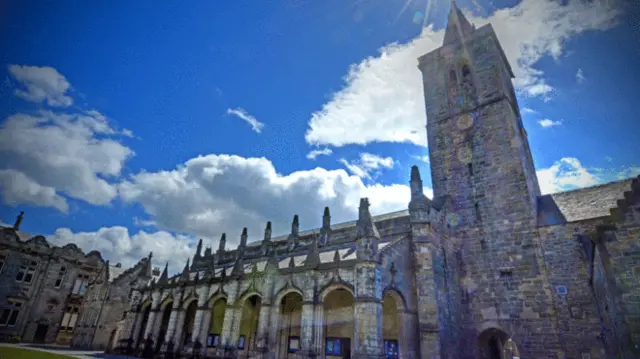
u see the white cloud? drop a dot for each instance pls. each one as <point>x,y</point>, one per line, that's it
<point>366,164</point>
<point>256,125</point>
<point>383,95</point>
<point>528,111</point>
<point>42,84</point>
<point>424,158</point>
<point>315,153</point>
<point>209,195</point>
<point>549,123</point>
<point>49,154</point>
<point>580,76</point>
<point>566,174</point>
<point>117,245</point>
<point>18,188</point>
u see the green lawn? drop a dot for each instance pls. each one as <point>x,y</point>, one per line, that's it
<point>19,353</point>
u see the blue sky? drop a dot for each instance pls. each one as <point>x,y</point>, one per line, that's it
<point>135,127</point>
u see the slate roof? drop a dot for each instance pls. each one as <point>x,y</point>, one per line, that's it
<point>581,204</point>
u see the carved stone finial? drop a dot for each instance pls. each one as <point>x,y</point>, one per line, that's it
<point>295,225</point>
<point>19,219</point>
<point>267,232</point>
<point>367,235</point>
<point>243,238</point>
<point>336,257</point>
<point>164,277</point>
<point>292,264</point>
<point>313,256</point>
<point>199,248</point>
<point>365,225</point>
<point>223,242</point>
<point>326,218</point>
<point>185,272</point>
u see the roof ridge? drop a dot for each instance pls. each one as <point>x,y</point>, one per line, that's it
<point>590,187</point>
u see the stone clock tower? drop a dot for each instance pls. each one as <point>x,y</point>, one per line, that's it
<point>477,144</point>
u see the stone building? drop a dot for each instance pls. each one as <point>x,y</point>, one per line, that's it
<point>489,268</point>
<point>101,316</point>
<point>42,286</point>
<point>59,295</point>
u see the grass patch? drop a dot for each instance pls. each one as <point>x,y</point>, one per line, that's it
<point>19,353</point>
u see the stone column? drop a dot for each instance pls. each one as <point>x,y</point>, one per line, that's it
<point>233,323</point>
<point>204,327</point>
<point>263,327</point>
<point>178,327</point>
<point>173,317</point>
<point>274,327</point>
<point>307,330</point>
<point>203,295</point>
<point>230,326</point>
<point>368,340</point>
<point>319,326</point>
<point>150,328</point>
<point>428,268</point>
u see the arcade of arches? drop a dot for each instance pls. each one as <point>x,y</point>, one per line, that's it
<point>332,333</point>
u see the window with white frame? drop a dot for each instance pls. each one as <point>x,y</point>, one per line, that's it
<point>70,318</point>
<point>3,260</point>
<point>27,271</point>
<point>60,279</point>
<point>80,285</point>
<point>10,313</point>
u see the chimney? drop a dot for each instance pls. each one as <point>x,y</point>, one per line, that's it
<point>118,265</point>
<point>16,226</point>
<point>156,271</point>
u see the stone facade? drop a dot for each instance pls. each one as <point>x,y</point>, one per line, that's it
<point>489,268</point>
<point>41,286</point>
<point>59,295</point>
<point>106,300</point>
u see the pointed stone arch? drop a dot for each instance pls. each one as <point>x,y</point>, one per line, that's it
<point>219,294</point>
<point>245,295</point>
<point>286,289</point>
<point>168,300</point>
<point>333,285</point>
<point>397,296</point>
<point>494,342</point>
<point>188,299</point>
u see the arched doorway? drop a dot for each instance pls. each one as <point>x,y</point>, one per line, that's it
<point>496,344</point>
<point>146,309</point>
<point>338,323</point>
<point>289,329</point>
<point>249,324</point>
<point>187,326</point>
<point>391,326</point>
<point>165,309</point>
<point>218,310</point>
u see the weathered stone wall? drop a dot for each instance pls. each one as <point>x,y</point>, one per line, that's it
<point>619,252</point>
<point>569,267</point>
<point>43,305</point>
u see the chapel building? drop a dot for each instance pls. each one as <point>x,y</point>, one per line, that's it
<point>488,268</point>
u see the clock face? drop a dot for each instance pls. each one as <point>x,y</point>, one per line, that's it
<point>465,122</point>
